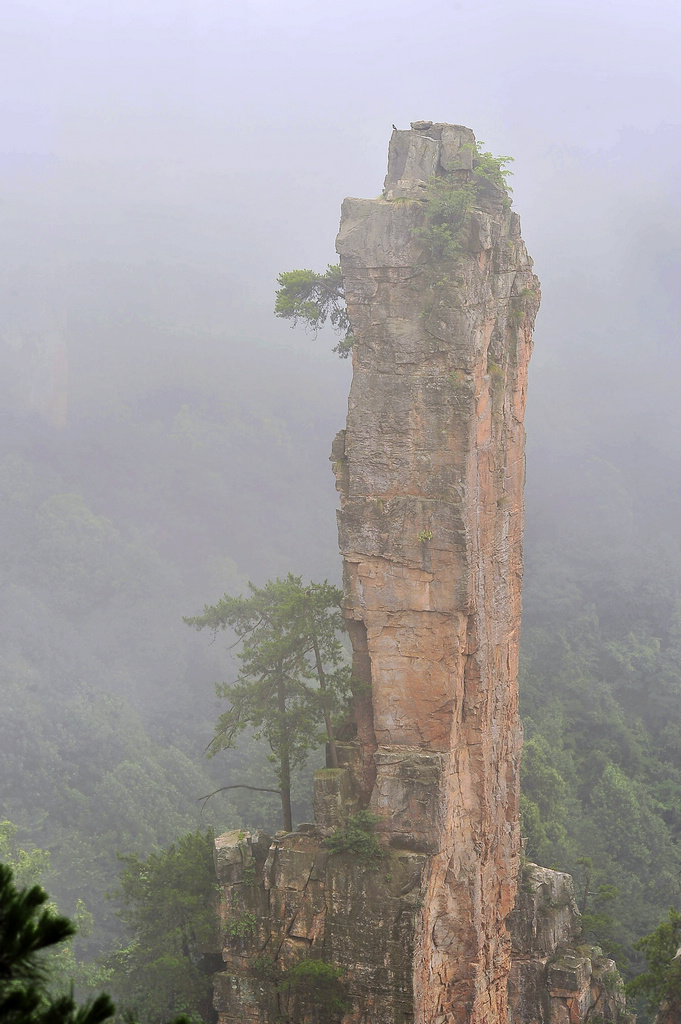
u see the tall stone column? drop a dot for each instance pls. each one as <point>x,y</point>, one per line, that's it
<point>430,471</point>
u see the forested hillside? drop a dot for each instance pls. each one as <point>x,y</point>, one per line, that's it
<point>601,652</point>
<point>601,642</point>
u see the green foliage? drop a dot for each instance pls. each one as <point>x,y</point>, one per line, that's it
<point>450,199</point>
<point>240,924</point>
<point>89,659</point>
<point>612,982</point>
<point>661,981</point>
<point>600,672</point>
<point>495,371</point>
<point>263,966</point>
<point>28,929</point>
<point>249,871</point>
<point>169,909</point>
<point>311,298</point>
<point>358,837</point>
<point>598,924</point>
<point>294,672</point>
<point>425,535</point>
<point>542,802</point>
<point>317,987</point>
<point>29,864</point>
<point>105,705</point>
<point>448,204</point>
<point>490,169</point>
<point>589,778</point>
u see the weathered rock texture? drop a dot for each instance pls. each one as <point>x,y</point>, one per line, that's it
<point>293,901</point>
<point>430,470</point>
<point>288,900</point>
<point>554,979</point>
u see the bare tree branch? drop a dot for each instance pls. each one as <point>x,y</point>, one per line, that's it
<point>258,789</point>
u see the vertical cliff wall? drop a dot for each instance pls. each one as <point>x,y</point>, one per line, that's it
<point>430,470</point>
<point>442,299</point>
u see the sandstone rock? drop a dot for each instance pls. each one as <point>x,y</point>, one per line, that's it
<point>232,852</point>
<point>430,529</point>
<point>545,916</point>
<point>335,908</point>
<point>333,798</point>
<point>406,797</point>
<point>365,916</point>
<point>552,978</point>
<point>430,471</point>
<point>417,156</point>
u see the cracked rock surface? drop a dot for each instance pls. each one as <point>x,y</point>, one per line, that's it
<point>430,470</point>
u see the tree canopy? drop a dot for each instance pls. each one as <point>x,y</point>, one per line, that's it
<point>294,674</point>
<point>304,295</point>
<point>660,982</point>
<point>169,909</point>
<point>29,928</point>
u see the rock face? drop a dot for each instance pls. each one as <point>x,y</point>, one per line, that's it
<point>442,299</point>
<point>289,901</point>
<point>430,470</point>
<point>293,903</point>
<point>553,979</point>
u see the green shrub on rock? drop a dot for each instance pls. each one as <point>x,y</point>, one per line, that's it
<point>358,837</point>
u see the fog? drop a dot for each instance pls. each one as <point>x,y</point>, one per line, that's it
<point>164,438</point>
<point>211,143</point>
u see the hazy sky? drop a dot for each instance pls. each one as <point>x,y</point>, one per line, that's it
<point>212,141</point>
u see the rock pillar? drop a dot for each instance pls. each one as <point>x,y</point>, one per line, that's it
<point>442,299</point>
<point>430,471</point>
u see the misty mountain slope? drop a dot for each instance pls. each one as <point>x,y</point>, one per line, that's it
<point>601,639</point>
<point>111,529</point>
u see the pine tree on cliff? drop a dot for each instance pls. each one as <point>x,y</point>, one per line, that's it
<point>293,674</point>
<point>306,297</point>
<point>311,298</point>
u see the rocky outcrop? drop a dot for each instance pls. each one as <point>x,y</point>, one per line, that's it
<point>554,979</point>
<point>430,470</point>
<point>290,900</point>
<point>296,901</point>
<point>442,299</point>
